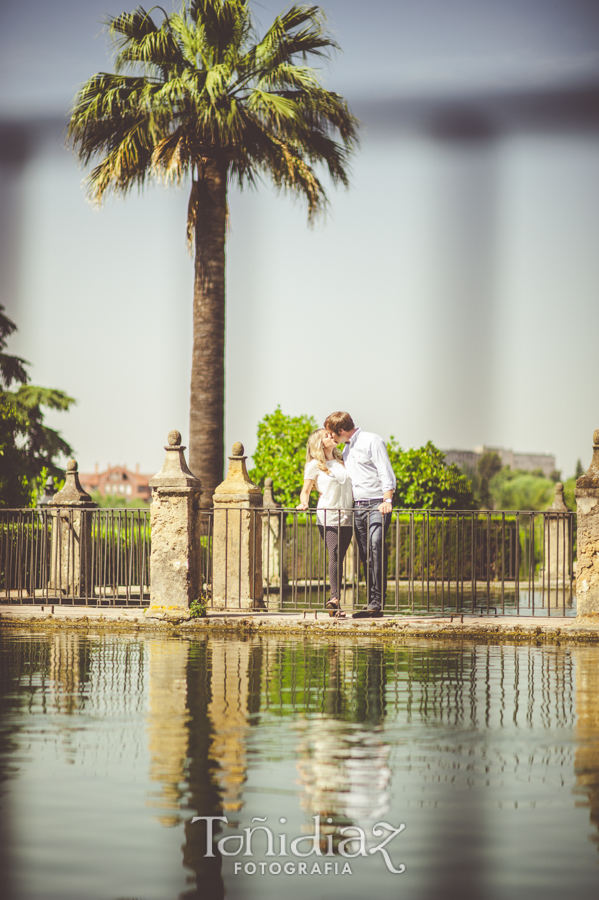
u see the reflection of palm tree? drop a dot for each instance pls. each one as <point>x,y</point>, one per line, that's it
<point>204,799</point>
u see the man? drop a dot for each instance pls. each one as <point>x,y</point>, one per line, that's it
<point>373,482</point>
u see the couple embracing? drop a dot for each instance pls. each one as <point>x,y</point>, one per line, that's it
<point>358,485</point>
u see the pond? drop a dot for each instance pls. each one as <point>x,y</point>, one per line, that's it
<point>303,758</point>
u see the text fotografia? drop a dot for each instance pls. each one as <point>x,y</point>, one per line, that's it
<point>353,844</point>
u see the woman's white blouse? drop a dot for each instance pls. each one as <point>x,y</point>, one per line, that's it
<point>335,492</point>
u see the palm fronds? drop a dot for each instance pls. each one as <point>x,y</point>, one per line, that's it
<point>198,86</point>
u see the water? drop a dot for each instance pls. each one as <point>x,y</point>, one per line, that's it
<point>110,745</point>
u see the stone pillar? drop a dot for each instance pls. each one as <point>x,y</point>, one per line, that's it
<point>71,549</point>
<point>557,548</point>
<point>587,562</point>
<point>274,556</point>
<point>175,571</point>
<point>237,538</point>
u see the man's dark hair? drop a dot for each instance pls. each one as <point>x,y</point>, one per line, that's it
<point>339,421</point>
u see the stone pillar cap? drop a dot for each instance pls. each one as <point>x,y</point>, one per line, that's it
<point>559,503</point>
<point>591,478</point>
<point>175,472</point>
<point>72,494</point>
<point>268,501</point>
<point>238,481</point>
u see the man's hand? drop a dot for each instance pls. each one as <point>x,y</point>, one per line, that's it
<point>386,507</point>
<point>302,506</point>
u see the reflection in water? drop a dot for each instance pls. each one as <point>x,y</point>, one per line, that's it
<point>587,731</point>
<point>461,743</point>
<point>342,769</point>
<point>68,671</point>
<point>167,725</point>
<point>229,715</point>
<point>202,793</point>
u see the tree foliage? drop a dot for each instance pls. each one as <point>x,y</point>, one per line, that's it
<point>517,489</point>
<point>202,86</point>
<point>488,466</point>
<point>569,495</point>
<point>425,481</point>
<point>28,449</point>
<point>281,454</point>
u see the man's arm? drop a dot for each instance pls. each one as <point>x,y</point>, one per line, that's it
<point>385,472</point>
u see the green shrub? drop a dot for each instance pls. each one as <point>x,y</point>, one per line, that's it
<point>198,609</point>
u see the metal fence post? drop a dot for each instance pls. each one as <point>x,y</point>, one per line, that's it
<point>175,571</point>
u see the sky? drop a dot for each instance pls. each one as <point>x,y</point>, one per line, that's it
<point>449,295</point>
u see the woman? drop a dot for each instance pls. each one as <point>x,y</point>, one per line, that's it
<point>325,472</point>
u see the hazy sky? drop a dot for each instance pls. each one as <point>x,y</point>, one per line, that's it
<point>450,294</point>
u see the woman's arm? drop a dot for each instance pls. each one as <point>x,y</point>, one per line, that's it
<point>305,494</point>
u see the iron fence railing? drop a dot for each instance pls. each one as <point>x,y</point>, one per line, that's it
<point>434,562</point>
<point>68,555</point>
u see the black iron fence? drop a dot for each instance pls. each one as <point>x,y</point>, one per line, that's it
<point>433,562</point>
<point>498,563</point>
<point>95,556</point>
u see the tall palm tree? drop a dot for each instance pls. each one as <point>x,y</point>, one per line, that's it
<point>199,95</point>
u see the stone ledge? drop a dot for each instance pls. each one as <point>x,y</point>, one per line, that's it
<point>558,630</point>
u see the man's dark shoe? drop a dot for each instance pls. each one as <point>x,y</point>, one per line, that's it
<point>368,613</point>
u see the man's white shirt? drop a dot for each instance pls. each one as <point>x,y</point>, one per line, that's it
<point>367,463</point>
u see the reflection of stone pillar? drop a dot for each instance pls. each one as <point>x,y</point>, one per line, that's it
<point>237,538</point>
<point>274,557</point>
<point>587,562</point>
<point>586,763</point>
<point>70,561</point>
<point>65,671</point>
<point>228,711</point>
<point>557,548</point>
<point>167,725</point>
<point>175,571</point>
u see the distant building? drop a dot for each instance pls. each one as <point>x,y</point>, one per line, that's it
<point>468,459</point>
<point>118,481</point>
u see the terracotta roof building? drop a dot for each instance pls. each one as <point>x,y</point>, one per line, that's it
<point>118,481</point>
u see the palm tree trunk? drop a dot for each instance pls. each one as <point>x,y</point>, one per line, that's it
<point>206,418</point>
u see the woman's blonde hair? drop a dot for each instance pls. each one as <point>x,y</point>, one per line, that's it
<point>315,450</point>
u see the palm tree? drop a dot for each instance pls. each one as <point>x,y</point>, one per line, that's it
<point>200,95</point>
